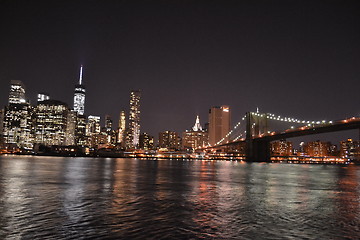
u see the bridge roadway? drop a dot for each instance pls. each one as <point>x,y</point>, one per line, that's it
<point>347,124</point>
<point>258,148</point>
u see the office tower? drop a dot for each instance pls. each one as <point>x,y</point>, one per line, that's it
<point>121,129</point>
<point>17,124</point>
<point>169,140</point>
<point>111,136</point>
<point>93,132</point>
<point>146,141</point>
<point>108,123</point>
<point>93,125</point>
<point>42,97</point>
<point>70,128</point>
<point>79,96</point>
<point>17,92</point>
<point>80,130</point>
<point>134,120</point>
<point>51,118</point>
<point>195,138</point>
<point>219,124</point>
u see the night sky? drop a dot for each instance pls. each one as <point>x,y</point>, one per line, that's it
<point>293,58</point>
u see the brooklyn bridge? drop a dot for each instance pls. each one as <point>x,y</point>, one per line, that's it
<point>253,141</point>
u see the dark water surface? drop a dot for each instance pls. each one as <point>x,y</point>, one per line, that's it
<point>85,198</point>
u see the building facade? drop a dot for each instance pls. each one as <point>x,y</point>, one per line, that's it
<point>146,141</point>
<point>169,140</point>
<point>195,138</point>
<point>281,148</point>
<point>51,119</point>
<point>79,95</point>
<point>318,149</point>
<point>133,133</point>
<point>17,92</point>
<point>350,149</point>
<point>120,133</point>
<point>219,124</point>
<point>17,125</point>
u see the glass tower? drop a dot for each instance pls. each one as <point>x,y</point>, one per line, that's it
<point>134,119</point>
<point>79,96</point>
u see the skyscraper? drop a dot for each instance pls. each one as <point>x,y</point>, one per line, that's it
<point>93,125</point>
<point>108,123</point>
<point>79,96</point>
<point>219,124</point>
<point>80,130</point>
<point>17,92</point>
<point>51,121</point>
<point>134,119</point>
<point>17,125</point>
<point>121,128</point>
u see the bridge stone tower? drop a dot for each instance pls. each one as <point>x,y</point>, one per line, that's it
<point>256,125</point>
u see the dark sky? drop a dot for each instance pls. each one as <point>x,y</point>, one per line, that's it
<point>293,58</point>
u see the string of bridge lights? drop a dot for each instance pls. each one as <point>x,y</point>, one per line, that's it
<point>272,116</point>
<point>228,134</point>
<point>289,119</point>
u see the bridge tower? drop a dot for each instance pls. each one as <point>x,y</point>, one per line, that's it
<point>256,149</point>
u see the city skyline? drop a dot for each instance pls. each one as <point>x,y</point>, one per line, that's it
<point>239,54</point>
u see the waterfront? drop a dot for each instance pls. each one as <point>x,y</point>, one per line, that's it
<point>77,198</point>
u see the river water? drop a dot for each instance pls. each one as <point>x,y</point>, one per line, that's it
<point>89,198</point>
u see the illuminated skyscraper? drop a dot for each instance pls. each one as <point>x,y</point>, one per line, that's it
<point>108,123</point>
<point>79,96</point>
<point>51,121</point>
<point>17,125</point>
<point>134,120</point>
<point>80,130</point>
<point>93,129</point>
<point>93,125</point>
<point>219,124</point>
<point>17,92</point>
<point>121,128</point>
<point>70,128</point>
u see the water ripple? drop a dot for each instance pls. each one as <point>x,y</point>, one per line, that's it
<point>80,198</point>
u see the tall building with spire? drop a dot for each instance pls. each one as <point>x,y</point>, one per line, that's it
<point>134,120</point>
<point>197,126</point>
<point>79,96</point>
<point>195,138</point>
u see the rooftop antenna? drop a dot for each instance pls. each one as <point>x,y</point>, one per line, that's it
<point>80,79</point>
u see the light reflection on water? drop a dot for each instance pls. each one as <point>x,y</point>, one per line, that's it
<point>77,198</point>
